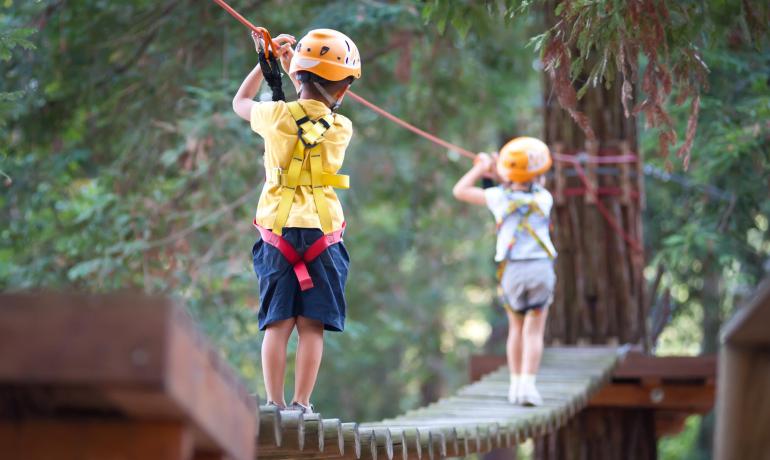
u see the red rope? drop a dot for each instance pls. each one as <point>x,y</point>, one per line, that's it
<point>585,158</point>
<point>412,128</point>
<point>601,191</point>
<point>260,30</point>
<point>605,212</point>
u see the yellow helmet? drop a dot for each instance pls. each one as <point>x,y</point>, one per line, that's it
<point>327,53</point>
<point>524,158</point>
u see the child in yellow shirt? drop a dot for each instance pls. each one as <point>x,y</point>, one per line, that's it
<point>300,260</point>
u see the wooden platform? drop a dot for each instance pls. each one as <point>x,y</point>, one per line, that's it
<point>675,387</point>
<point>121,376</point>
<point>475,420</point>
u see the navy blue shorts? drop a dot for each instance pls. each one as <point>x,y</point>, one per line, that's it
<point>279,294</point>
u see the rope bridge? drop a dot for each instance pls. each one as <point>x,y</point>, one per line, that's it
<point>477,419</point>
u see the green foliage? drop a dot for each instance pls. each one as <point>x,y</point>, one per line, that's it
<point>13,38</point>
<point>682,446</point>
<point>590,43</point>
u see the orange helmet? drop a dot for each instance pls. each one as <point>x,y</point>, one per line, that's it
<point>327,53</point>
<point>523,158</point>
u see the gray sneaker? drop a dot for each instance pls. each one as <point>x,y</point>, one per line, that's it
<point>301,408</point>
<point>276,405</point>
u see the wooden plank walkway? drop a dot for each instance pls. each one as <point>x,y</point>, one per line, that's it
<point>476,419</point>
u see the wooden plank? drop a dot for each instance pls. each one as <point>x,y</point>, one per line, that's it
<point>138,356</point>
<point>670,397</point>
<point>95,440</point>
<point>635,365</point>
<point>82,339</point>
<point>270,427</point>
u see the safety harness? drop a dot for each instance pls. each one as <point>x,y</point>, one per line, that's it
<point>513,208</point>
<point>310,133</point>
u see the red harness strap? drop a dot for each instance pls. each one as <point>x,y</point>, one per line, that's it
<point>299,262</point>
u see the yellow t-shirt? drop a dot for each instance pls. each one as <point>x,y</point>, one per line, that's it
<point>273,121</point>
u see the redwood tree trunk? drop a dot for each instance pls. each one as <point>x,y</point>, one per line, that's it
<point>602,434</point>
<point>599,296</point>
<point>600,290</point>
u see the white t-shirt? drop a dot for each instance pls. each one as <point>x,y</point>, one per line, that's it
<point>509,207</point>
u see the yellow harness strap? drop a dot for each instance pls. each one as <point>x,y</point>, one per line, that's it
<point>309,134</point>
<point>524,224</point>
<point>277,176</point>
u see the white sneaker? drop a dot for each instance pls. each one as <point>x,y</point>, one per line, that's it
<point>529,396</point>
<point>513,393</point>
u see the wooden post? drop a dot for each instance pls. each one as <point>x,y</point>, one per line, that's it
<point>743,405</point>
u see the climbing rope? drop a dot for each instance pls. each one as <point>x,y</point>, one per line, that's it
<point>273,47</point>
<point>412,128</point>
<point>635,246</point>
<point>575,161</point>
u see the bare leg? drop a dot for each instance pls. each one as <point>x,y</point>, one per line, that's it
<point>274,359</point>
<point>534,329</point>
<point>514,345</point>
<point>309,352</point>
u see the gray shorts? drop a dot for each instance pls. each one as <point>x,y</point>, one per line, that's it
<point>527,284</point>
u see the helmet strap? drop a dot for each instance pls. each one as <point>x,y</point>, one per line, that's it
<point>334,102</point>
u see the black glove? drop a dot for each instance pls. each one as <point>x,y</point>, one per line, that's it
<point>272,73</point>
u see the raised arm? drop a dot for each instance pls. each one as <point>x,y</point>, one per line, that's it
<point>244,98</point>
<point>465,189</point>
<point>287,52</point>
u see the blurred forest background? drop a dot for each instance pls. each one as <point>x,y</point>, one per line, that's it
<point>123,165</point>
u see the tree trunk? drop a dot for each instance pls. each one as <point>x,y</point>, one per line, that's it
<point>602,434</point>
<point>600,293</point>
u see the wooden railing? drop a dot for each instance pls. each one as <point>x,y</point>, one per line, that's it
<point>86,377</point>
